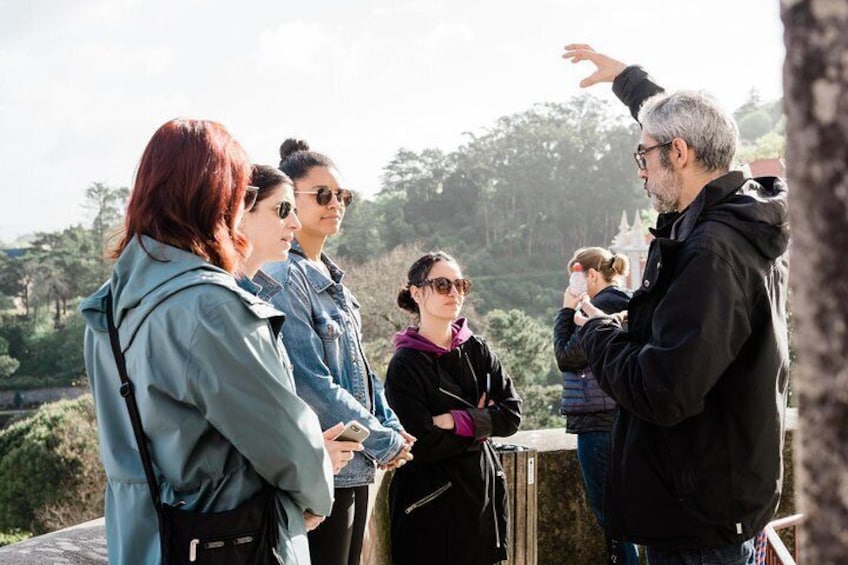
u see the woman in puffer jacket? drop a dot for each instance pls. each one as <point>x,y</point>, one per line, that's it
<point>588,410</point>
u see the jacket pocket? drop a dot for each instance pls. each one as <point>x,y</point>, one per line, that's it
<point>428,499</point>
<point>328,328</point>
<point>331,331</point>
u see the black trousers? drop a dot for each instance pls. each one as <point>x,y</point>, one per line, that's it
<point>338,540</point>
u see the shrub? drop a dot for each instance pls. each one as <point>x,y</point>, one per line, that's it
<point>540,409</point>
<point>13,536</point>
<point>50,468</point>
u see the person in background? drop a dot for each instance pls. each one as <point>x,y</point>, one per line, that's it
<point>588,410</point>
<point>270,226</point>
<point>331,371</point>
<point>449,505</point>
<point>215,399</point>
<point>700,372</point>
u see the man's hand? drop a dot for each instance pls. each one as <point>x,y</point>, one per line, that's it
<point>340,452</point>
<point>606,70</point>
<point>590,310</point>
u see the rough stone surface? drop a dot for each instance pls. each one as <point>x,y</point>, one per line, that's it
<point>84,544</point>
<point>816,35</point>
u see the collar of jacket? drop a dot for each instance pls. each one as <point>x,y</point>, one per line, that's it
<point>316,278</point>
<point>715,191</point>
<point>269,287</point>
<point>139,283</point>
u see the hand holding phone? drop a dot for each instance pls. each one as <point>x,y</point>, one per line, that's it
<point>353,431</point>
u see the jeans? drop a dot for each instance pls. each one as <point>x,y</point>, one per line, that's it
<point>593,453</point>
<point>742,554</point>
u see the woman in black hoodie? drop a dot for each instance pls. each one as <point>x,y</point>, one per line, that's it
<point>588,410</point>
<point>449,504</point>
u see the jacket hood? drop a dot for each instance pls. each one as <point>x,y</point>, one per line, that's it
<point>756,208</point>
<point>410,338</point>
<point>146,273</point>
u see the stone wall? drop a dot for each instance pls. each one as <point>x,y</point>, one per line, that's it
<point>38,396</point>
<point>567,531</point>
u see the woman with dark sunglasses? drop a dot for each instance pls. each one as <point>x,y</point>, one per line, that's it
<point>270,223</point>
<point>322,331</point>
<point>449,505</point>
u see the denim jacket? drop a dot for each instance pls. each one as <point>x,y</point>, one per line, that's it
<point>265,287</point>
<point>323,336</point>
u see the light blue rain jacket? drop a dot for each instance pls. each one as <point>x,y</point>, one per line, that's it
<point>215,398</point>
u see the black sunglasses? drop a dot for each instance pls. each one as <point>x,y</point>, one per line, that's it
<point>323,194</point>
<point>284,209</point>
<point>443,285</point>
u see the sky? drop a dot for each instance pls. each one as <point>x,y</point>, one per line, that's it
<point>85,83</point>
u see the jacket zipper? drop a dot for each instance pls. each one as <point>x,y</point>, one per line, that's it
<point>452,395</point>
<point>489,457</point>
<point>429,498</point>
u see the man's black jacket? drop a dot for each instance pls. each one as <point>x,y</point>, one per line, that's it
<point>700,375</point>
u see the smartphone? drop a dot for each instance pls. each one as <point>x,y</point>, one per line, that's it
<point>353,431</point>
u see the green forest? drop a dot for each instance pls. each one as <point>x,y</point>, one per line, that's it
<point>511,204</point>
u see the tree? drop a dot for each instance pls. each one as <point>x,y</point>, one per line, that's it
<point>816,87</point>
<point>8,364</point>
<point>523,345</point>
<point>50,468</point>
<point>108,204</point>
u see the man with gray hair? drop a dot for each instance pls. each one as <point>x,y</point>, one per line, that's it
<point>700,371</point>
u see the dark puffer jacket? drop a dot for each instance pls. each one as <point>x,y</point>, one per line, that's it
<point>700,376</point>
<point>586,406</point>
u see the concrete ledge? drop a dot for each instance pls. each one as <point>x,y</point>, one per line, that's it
<point>83,544</point>
<point>567,530</point>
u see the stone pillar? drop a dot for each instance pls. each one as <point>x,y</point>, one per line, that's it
<point>816,100</point>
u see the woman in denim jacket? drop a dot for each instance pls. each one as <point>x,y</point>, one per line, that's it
<point>322,330</point>
<point>270,225</point>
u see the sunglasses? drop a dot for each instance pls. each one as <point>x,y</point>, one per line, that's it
<point>323,194</point>
<point>284,209</point>
<point>250,194</point>
<point>443,285</point>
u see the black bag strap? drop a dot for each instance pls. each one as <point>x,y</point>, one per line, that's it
<point>128,394</point>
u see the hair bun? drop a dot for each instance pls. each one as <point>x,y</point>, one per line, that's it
<point>292,145</point>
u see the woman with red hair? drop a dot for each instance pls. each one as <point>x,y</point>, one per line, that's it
<point>217,403</point>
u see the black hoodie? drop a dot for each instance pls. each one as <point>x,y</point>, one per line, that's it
<point>700,374</point>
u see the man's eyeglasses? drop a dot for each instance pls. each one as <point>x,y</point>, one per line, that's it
<point>250,194</point>
<point>639,155</point>
<point>323,194</point>
<point>443,285</point>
